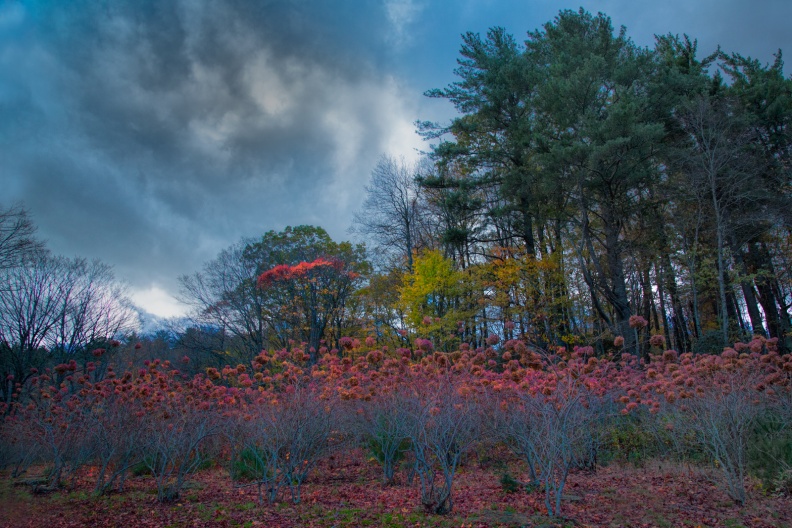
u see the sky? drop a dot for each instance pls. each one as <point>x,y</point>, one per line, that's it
<point>151,134</point>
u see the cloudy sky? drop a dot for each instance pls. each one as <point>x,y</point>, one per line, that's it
<point>152,134</point>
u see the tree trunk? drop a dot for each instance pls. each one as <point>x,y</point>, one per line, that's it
<point>723,309</point>
<point>758,258</point>
<point>663,310</point>
<point>749,295</point>
<point>618,291</point>
<point>527,227</point>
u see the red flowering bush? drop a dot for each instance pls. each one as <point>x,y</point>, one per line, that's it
<point>441,420</point>
<point>554,409</point>
<point>283,435</point>
<point>637,322</point>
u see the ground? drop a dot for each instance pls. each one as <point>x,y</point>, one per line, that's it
<point>346,491</point>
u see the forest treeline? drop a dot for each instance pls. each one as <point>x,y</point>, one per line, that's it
<point>586,181</point>
<point>589,190</point>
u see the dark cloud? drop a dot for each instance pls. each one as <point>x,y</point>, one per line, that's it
<point>751,28</point>
<point>152,134</point>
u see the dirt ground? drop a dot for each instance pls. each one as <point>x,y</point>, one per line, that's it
<point>346,491</point>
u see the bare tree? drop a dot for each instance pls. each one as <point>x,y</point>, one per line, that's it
<point>31,301</point>
<point>719,164</point>
<point>16,236</point>
<point>392,213</point>
<point>94,308</point>
<point>172,436</point>
<point>560,433</point>
<point>54,305</point>
<point>380,422</point>
<point>224,295</point>
<point>552,430</point>
<point>721,418</point>
<point>113,428</point>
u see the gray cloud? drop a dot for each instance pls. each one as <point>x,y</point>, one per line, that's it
<point>749,27</point>
<point>153,134</point>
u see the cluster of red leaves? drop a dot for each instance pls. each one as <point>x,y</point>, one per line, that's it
<point>285,272</point>
<point>514,368</point>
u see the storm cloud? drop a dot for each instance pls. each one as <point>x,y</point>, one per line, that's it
<point>151,134</point>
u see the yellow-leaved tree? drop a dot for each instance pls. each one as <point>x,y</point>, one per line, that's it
<point>432,297</point>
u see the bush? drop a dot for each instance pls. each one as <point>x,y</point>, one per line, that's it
<point>629,441</point>
<point>442,425</point>
<point>770,453</point>
<point>284,440</point>
<point>141,469</point>
<point>783,482</point>
<point>710,342</point>
<point>247,465</point>
<point>509,484</point>
<point>389,453</point>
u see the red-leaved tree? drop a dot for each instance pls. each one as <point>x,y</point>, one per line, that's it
<point>309,295</point>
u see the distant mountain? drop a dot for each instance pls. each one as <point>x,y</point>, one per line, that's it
<point>151,324</point>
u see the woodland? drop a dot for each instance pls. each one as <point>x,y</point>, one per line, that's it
<point>573,311</point>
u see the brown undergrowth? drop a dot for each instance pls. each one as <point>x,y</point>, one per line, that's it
<point>346,491</point>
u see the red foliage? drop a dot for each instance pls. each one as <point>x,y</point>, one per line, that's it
<point>284,272</point>
<point>562,395</point>
<point>637,321</point>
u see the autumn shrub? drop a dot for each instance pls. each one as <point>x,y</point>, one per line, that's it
<point>256,454</point>
<point>719,401</point>
<point>280,415</point>
<point>442,423</point>
<point>722,425</point>
<point>560,421</point>
<point>50,429</point>
<point>665,439</point>
<point>553,415</point>
<point>19,446</point>
<point>593,439</point>
<point>510,421</point>
<point>380,422</point>
<point>172,448</point>
<point>113,429</point>
<point>283,437</point>
<point>177,419</point>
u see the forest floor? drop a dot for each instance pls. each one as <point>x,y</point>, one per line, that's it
<point>346,491</point>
